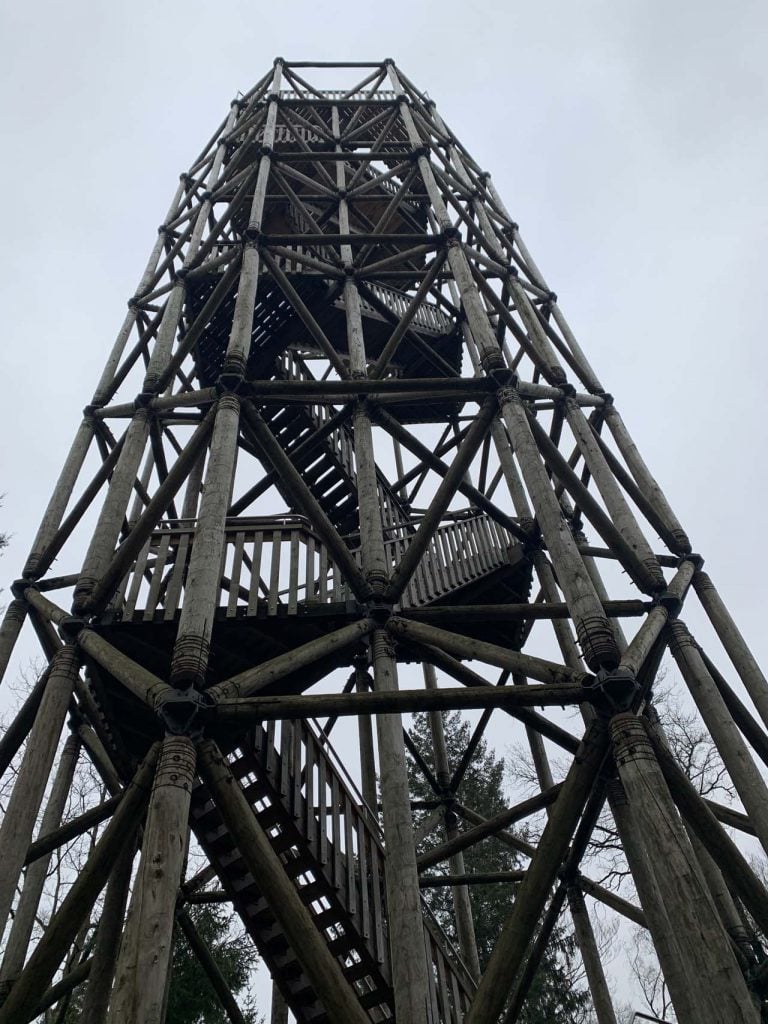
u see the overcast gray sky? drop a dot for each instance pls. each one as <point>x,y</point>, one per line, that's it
<point>627,138</point>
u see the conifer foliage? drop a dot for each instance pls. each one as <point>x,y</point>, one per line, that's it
<point>555,995</point>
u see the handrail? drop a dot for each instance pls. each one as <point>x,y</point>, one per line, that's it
<point>276,564</point>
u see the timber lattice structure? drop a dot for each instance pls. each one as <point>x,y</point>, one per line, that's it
<point>346,434</point>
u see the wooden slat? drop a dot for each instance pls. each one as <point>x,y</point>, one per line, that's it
<point>309,594</point>
<point>323,577</point>
<point>322,806</point>
<point>178,573</point>
<point>157,577</point>
<point>293,573</point>
<point>349,812</point>
<point>136,581</point>
<point>274,573</point>
<point>253,593</point>
<point>338,867</point>
<point>237,567</point>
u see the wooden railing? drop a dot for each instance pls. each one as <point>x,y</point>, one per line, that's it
<point>338,94</point>
<point>428,317</point>
<point>278,566</point>
<point>342,837</point>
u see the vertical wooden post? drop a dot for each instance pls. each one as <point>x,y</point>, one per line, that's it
<point>590,955</point>
<point>406,925</point>
<point>95,1005</point>
<point>365,733</point>
<point>644,478</point>
<point>28,790</point>
<point>593,629</point>
<point>462,906</point>
<point>190,652</point>
<point>77,904</point>
<point>531,897</point>
<point>10,629</point>
<point>715,989</point>
<point>113,512</point>
<point>736,757</point>
<point>734,643</point>
<point>144,961</point>
<point>34,880</point>
<point>62,492</point>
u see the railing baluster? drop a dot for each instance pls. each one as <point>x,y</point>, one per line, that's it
<point>178,573</point>
<point>309,586</point>
<point>362,853</point>
<point>138,576</point>
<point>338,867</point>
<point>349,811</point>
<point>322,806</point>
<point>253,592</point>
<point>157,577</point>
<point>309,791</point>
<point>293,573</point>
<point>237,566</point>
<point>274,572</point>
<point>323,574</point>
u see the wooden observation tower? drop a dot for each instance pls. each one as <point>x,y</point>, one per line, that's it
<point>346,458</point>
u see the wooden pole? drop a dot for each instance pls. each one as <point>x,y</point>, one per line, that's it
<point>255,709</point>
<point>95,1003</point>
<point>406,928</point>
<point>190,652</point>
<point>212,970</point>
<point>746,778</point>
<point>644,478</point>
<point>511,946</point>
<point>714,986</point>
<point>18,730</point>
<point>144,961</point>
<point>590,955</point>
<point>60,498</point>
<point>21,811</point>
<point>252,680</point>
<point>462,906</point>
<point>10,629</point>
<point>34,879</point>
<point>77,904</point>
<point>113,512</point>
<point>365,735</point>
<point>716,841</point>
<point>592,626</point>
<point>319,964</point>
<point>743,660</point>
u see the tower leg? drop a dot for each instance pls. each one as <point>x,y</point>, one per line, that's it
<point>24,919</point>
<point>462,907</point>
<point>145,956</point>
<point>21,812</point>
<point>96,1000</point>
<point>406,924</point>
<point>590,954</point>
<point>707,983</point>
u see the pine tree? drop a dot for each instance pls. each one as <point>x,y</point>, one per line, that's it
<point>553,997</point>
<point>191,999</point>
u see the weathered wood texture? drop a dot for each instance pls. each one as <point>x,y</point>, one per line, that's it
<point>337,293</point>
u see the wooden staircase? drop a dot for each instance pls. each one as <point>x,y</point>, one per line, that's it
<point>330,844</point>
